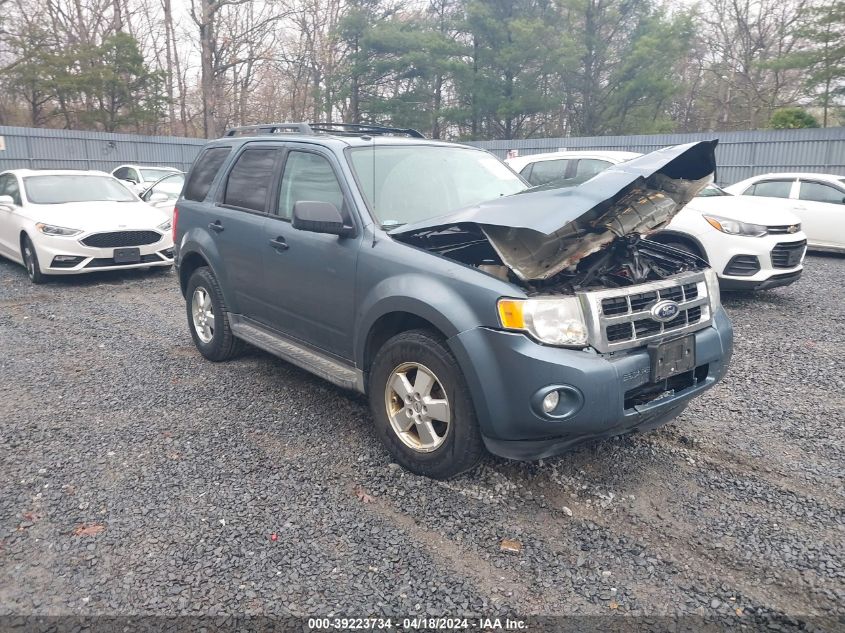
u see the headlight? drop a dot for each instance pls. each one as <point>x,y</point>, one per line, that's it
<point>734,227</point>
<point>49,229</point>
<point>713,289</point>
<point>165,226</point>
<point>555,321</point>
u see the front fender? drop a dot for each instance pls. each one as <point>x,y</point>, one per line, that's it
<point>424,296</point>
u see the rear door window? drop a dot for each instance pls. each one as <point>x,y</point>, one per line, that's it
<point>589,167</point>
<point>251,178</point>
<point>308,177</point>
<point>770,189</point>
<point>203,173</point>
<point>818,192</point>
<point>547,170</point>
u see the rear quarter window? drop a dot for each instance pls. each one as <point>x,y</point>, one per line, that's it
<point>205,169</point>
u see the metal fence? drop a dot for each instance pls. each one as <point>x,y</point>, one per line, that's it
<point>36,148</point>
<point>739,155</point>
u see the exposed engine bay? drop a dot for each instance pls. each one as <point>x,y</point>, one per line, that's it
<point>625,261</point>
<point>577,238</point>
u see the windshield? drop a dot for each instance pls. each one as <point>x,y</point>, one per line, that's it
<point>412,183</point>
<point>56,189</point>
<point>154,174</point>
<point>712,190</point>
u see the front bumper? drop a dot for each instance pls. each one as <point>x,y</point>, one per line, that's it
<point>505,370</point>
<point>728,284</point>
<point>93,259</point>
<point>729,248</point>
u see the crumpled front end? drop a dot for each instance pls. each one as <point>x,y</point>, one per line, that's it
<point>540,233</point>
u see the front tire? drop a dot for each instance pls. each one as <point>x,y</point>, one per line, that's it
<point>30,261</point>
<point>422,408</point>
<point>207,317</point>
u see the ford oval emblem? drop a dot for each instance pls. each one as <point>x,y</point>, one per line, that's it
<point>665,310</point>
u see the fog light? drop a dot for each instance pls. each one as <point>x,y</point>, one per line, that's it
<point>557,402</point>
<point>65,261</point>
<point>550,402</point>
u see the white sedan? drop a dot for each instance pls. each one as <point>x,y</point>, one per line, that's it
<point>818,199</point>
<point>139,177</point>
<point>66,222</point>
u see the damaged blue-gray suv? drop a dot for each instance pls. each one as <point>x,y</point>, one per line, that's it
<point>474,311</point>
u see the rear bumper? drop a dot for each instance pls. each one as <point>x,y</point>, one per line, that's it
<point>505,371</point>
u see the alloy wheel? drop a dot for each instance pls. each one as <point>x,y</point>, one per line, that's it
<point>202,312</point>
<point>417,407</point>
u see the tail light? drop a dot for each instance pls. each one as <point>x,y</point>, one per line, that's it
<point>174,221</point>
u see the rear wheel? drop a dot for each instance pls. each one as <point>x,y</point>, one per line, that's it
<point>30,261</point>
<point>208,319</point>
<point>422,408</point>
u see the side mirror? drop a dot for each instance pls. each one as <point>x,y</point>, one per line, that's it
<point>7,201</point>
<point>320,217</point>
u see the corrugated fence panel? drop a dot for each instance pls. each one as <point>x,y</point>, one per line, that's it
<point>739,155</point>
<point>37,148</point>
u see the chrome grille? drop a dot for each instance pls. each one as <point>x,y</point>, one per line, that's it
<point>783,229</point>
<point>621,318</point>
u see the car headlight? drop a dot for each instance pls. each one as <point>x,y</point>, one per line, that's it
<point>554,321</point>
<point>50,229</point>
<point>165,226</point>
<point>735,227</point>
<point>712,280</point>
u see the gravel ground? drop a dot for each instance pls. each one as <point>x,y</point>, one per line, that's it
<point>137,478</point>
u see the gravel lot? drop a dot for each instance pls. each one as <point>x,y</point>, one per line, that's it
<point>137,478</point>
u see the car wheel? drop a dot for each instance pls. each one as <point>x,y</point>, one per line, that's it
<point>422,408</point>
<point>30,261</point>
<point>207,318</point>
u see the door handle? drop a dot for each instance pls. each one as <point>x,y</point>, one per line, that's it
<point>279,244</point>
<point>216,226</point>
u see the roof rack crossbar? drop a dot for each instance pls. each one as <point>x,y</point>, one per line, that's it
<point>362,128</point>
<point>270,128</point>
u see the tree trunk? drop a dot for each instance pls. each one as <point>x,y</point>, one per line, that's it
<point>169,46</point>
<point>209,104</point>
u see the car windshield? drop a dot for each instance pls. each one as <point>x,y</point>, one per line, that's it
<point>413,183</point>
<point>57,189</point>
<point>712,190</point>
<point>154,174</point>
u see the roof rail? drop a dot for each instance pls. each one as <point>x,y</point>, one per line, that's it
<point>270,128</point>
<point>339,129</point>
<point>357,129</point>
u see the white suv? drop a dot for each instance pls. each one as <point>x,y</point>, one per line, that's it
<point>750,244</point>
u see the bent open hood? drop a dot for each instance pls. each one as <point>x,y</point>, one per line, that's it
<point>538,233</point>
